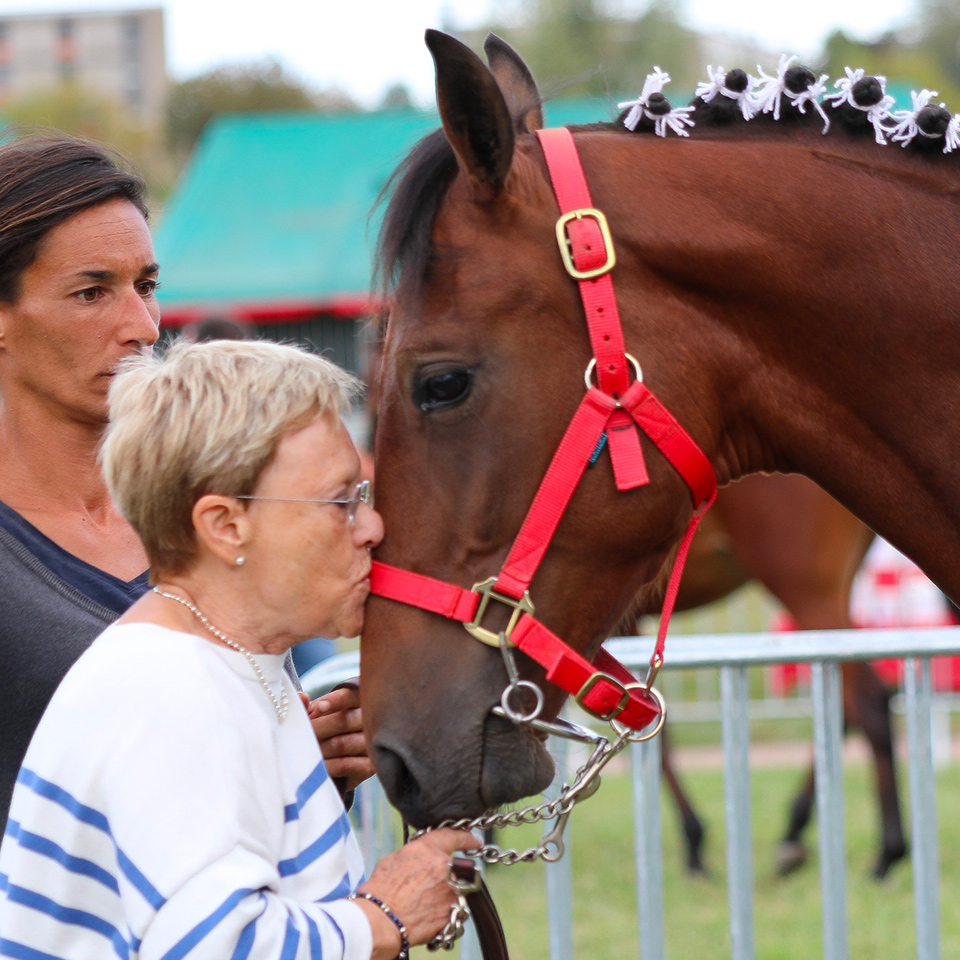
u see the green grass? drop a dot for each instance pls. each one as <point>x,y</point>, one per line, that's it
<point>787,919</point>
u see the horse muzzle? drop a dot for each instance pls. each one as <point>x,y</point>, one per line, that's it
<point>435,782</point>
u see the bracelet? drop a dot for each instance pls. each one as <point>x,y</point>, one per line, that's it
<point>404,953</point>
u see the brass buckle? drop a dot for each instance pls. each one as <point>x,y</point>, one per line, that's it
<point>487,593</point>
<point>564,243</point>
<point>590,684</point>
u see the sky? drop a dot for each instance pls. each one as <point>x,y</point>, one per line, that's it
<point>364,46</point>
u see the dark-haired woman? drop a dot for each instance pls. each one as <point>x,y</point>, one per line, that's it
<point>77,280</point>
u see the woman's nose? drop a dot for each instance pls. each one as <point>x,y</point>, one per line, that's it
<point>369,526</point>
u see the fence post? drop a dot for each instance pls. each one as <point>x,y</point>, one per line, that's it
<point>923,808</point>
<point>828,767</point>
<point>736,793</point>
<point>559,875</point>
<point>648,847</point>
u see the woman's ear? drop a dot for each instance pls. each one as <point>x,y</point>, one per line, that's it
<point>222,526</point>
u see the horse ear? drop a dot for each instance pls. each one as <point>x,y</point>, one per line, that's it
<point>516,84</point>
<point>474,114</point>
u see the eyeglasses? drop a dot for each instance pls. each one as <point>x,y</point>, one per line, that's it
<point>362,493</point>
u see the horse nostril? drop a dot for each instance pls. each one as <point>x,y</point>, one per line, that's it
<point>400,785</point>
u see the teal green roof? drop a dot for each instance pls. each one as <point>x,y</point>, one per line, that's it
<point>273,213</point>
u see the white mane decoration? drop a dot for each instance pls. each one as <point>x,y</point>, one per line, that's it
<point>878,114</point>
<point>906,127</point>
<point>952,136</point>
<point>676,120</point>
<point>770,91</point>
<point>765,95</point>
<point>716,86</point>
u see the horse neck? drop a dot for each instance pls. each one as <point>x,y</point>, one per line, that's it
<point>806,279</point>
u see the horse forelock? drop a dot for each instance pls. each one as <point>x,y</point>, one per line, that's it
<point>416,189</point>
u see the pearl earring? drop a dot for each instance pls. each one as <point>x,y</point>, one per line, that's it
<point>240,561</point>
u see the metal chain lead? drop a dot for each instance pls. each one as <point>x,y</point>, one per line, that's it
<point>459,915</point>
<point>586,781</point>
<point>550,847</point>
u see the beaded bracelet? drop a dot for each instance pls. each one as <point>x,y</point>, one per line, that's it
<point>404,953</point>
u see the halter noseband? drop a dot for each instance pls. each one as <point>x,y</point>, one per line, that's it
<point>610,412</point>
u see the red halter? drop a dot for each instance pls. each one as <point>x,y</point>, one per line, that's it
<point>612,409</point>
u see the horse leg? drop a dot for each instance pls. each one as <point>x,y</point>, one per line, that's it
<point>690,823</point>
<point>792,851</point>
<point>867,706</point>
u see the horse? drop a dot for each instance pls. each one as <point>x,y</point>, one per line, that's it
<point>788,299</point>
<point>788,534</point>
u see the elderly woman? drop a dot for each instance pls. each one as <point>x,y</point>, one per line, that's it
<point>173,800</point>
<point>78,276</point>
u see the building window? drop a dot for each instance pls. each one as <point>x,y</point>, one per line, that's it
<point>130,37</point>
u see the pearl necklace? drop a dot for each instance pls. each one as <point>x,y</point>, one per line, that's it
<point>280,706</point>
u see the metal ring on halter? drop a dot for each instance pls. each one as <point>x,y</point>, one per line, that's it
<point>515,715</point>
<point>639,736</point>
<point>592,365</point>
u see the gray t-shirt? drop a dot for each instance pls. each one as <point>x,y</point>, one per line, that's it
<point>45,624</point>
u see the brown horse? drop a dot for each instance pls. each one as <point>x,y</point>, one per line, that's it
<point>791,298</point>
<point>787,534</point>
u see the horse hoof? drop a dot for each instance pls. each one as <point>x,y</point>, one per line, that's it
<point>791,855</point>
<point>887,859</point>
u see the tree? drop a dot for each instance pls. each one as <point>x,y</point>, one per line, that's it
<point>921,63</point>
<point>80,111</point>
<point>941,24</point>
<point>396,97</point>
<point>240,88</point>
<point>84,112</point>
<point>578,44</point>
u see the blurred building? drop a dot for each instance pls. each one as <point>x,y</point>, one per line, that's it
<point>118,52</point>
<point>274,220</point>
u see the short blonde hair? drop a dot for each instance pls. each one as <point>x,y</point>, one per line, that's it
<point>206,418</point>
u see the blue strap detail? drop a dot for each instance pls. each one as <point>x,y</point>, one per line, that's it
<point>601,443</point>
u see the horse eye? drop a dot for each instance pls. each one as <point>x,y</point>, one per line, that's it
<point>442,390</point>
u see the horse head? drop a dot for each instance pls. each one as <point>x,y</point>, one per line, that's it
<point>483,365</point>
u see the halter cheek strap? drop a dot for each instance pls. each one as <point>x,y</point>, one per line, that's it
<point>613,410</point>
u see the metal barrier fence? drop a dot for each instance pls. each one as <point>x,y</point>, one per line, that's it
<point>733,655</point>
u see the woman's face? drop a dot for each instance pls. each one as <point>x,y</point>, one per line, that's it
<point>312,565</point>
<point>87,301</point>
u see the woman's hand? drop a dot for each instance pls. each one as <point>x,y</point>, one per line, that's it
<point>338,723</point>
<point>414,883</point>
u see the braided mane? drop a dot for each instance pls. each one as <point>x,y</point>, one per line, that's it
<point>729,102</point>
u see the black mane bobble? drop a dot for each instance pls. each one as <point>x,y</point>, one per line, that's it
<point>798,78</point>
<point>933,120</point>
<point>867,92</point>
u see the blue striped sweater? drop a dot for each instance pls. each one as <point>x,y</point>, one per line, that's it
<point>163,812</point>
